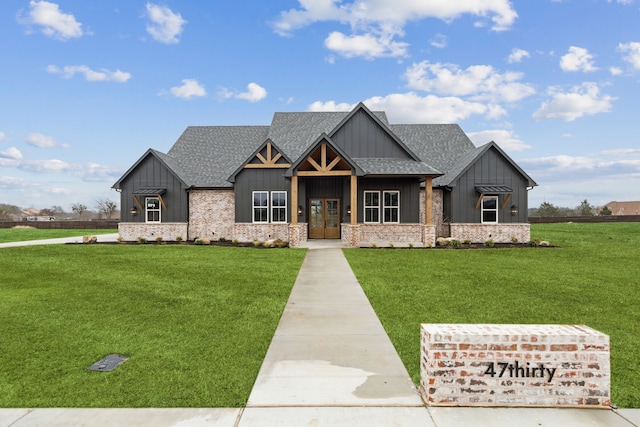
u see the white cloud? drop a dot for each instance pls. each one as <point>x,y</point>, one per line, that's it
<point>479,82</point>
<point>517,55</point>
<point>254,93</point>
<point>412,108</point>
<point>53,22</point>
<point>368,46</point>
<point>506,139</point>
<point>393,12</point>
<point>577,59</point>
<point>583,100</point>
<point>165,25</point>
<point>375,24</point>
<point>439,41</point>
<point>90,75</point>
<point>3,137</point>
<point>90,172</point>
<point>11,153</point>
<point>615,71</point>
<point>190,88</point>
<point>43,141</point>
<point>632,51</point>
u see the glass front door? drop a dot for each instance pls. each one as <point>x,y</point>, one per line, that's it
<point>324,219</point>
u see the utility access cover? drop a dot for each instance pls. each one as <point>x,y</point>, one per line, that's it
<point>108,363</point>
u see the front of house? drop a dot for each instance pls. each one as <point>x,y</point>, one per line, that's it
<point>326,175</point>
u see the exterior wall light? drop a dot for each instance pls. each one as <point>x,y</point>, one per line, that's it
<point>133,211</point>
<point>514,210</point>
<point>299,209</point>
<point>349,210</point>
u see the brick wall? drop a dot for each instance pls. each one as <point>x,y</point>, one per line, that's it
<point>248,232</point>
<point>211,214</point>
<point>500,233</point>
<point>131,231</point>
<point>514,365</point>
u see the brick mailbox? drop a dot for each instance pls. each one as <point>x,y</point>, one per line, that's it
<point>514,365</point>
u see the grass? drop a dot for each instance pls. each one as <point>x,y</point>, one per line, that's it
<point>195,321</point>
<point>592,279</point>
<point>23,234</point>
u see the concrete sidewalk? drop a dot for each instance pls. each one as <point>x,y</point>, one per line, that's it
<point>330,363</point>
<point>62,240</point>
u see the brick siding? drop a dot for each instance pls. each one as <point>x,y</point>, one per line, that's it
<point>169,231</point>
<point>500,233</point>
<point>211,214</point>
<point>455,359</point>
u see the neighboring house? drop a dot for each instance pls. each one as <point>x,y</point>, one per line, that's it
<point>326,175</point>
<point>624,208</point>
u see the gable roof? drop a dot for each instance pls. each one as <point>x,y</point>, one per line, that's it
<point>469,158</point>
<point>211,156</point>
<point>324,138</point>
<point>166,160</point>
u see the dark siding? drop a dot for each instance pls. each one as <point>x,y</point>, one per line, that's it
<point>362,137</point>
<point>409,196</point>
<point>491,168</point>
<point>151,172</point>
<point>324,188</point>
<point>249,180</point>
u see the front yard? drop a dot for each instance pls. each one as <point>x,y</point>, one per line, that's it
<point>592,278</point>
<point>195,321</point>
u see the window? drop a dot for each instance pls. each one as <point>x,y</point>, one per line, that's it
<point>391,207</point>
<point>260,206</point>
<point>269,207</point>
<point>152,206</point>
<point>278,206</point>
<point>489,209</point>
<point>371,206</point>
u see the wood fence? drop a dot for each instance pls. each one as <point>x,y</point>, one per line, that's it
<point>599,218</point>
<point>96,224</point>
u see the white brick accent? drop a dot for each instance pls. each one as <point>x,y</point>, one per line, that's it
<point>248,232</point>
<point>211,214</point>
<point>500,233</point>
<point>131,231</point>
<point>533,365</point>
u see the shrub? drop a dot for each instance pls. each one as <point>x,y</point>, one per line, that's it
<point>514,240</point>
<point>374,245</point>
<point>234,241</point>
<point>257,243</point>
<point>467,241</point>
<point>489,243</point>
<point>159,239</point>
<point>178,238</point>
<point>410,245</point>
<point>222,239</point>
<point>141,239</point>
<point>455,243</point>
<point>391,245</point>
<point>281,243</point>
<point>120,239</point>
<point>533,243</point>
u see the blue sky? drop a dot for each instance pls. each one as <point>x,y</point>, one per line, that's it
<point>86,87</point>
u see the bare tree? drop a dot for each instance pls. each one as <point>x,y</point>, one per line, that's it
<point>106,207</point>
<point>79,208</point>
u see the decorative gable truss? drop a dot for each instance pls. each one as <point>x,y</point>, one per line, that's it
<point>268,156</point>
<point>324,161</point>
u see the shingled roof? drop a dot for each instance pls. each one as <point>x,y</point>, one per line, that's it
<point>206,156</point>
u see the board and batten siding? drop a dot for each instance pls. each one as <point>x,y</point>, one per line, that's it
<point>409,196</point>
<point>151,172</point>
<point>250,180</point>
<point>490,168</point>
<point>362,137</point>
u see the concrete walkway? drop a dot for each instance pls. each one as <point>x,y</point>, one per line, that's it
<point>330,363</point>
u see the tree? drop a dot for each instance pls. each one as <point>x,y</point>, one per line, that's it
<point>585,209</point>
<point>79,208</point>
<point>605,211</point>
<point>547,209</point>
<point>106,207</point>
<point>7,212</point>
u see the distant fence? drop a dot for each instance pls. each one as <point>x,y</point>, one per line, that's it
<point>98,224</point>
<point>600,218</point>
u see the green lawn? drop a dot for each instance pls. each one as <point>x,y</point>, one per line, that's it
<point>592,279</point>
<point>196,322</point>
<point>23,234</point>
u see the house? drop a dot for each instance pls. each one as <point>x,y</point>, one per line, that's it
<point>326,175</point>
<point>624,208</point>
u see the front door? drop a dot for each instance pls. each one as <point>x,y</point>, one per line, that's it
<point>324,219</point>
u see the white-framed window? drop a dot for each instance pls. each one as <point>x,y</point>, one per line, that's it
<point>152,209</point>
<point>260,206</point>
<point>371,206</point>
<point>391,207</point>
<point>489,210</point>
<point>278,206</point>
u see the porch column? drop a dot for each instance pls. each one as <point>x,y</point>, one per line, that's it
<point>294,200</point>
<point>428,201</point>
<point>354,200</point>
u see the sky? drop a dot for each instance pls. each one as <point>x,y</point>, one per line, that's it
<point>86,87</point>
